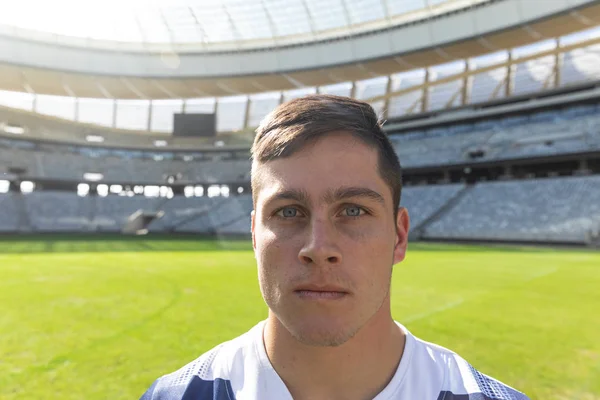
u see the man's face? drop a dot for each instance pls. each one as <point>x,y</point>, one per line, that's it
<point>325,239</point>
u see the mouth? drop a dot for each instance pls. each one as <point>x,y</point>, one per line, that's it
<point>321,293</point>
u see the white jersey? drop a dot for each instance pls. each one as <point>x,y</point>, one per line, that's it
<point>240,370</point>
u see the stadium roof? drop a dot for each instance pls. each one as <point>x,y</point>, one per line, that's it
<point>40,62</point>
<point>206,24</point>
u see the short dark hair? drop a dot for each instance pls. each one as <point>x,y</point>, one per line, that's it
<point>293,124</point>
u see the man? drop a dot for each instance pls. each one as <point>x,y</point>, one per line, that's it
<point>326,232</point>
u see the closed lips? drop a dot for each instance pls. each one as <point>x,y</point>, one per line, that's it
<point>321,292</point>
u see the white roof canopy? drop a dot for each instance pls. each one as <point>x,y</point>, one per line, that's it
<point>207,24</point>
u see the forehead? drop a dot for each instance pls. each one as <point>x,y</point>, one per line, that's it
<point>336,160</point>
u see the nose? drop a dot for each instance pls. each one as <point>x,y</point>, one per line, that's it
<point>320,247</point>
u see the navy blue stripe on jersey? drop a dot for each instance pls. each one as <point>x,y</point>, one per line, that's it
<point>148,394</point>
<point>489,389</point>
<point>445,395</point>
<point>196,389</point>
<point>199,389</point>
<point>451,396</point>
<point>494,390</point>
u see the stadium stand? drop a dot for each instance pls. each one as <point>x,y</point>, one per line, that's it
<point>551,132</point>
<point>541,210</point>
<point>423,202</point>
<point>183,212</point>
<point>205,215</point>
<point>223,213</point>
<point>574,129</point>
<point>9,212</point>
<point>238,220</point>
<point>561,210</point>
<point>50,211</point>
<point>111,212</point>
<point>510,211</point>
<point>460,118</point>
<point>66,165</point>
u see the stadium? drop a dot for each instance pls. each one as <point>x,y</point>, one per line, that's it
<point>125,196</point>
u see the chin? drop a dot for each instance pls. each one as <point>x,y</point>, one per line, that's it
<point>322,334</point>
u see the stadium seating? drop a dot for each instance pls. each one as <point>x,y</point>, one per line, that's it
<point>574,129</point>
<point>182,211</point>
<point>219,171</point>
<point>562,209</point>
<point>9,212</point>
<point>111,212</point>
<point>72,166</point>
<point>239,227</point>
<point>221,214</point>
<point>51,211</point>
<point>423,201</point>
<point>238,222</point>
<point>550,210</point>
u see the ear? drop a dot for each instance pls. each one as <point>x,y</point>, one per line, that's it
<point>402,227</point>
<point>253,217</point>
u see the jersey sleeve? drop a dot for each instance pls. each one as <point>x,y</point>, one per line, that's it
<point>195,381</point>
<point>195,388</point>
<point>466,383</point>
<point>149,394</point>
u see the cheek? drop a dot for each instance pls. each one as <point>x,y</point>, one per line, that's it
<point>371,238</point>
<point>371,250</point>
<point>274,257</point>
<point>268,246</point>
<point>276,241</point>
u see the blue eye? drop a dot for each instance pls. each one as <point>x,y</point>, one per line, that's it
<point>354,211</point>
<point>288,212</point>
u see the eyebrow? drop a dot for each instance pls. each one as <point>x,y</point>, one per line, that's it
<point>331,196</point>
<point>298,195</point>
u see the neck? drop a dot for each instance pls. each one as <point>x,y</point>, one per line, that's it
<point>358,369</point>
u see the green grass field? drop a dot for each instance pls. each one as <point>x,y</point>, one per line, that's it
<point>102,318</point>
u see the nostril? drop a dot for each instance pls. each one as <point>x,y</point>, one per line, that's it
<point>306,259</point>
<point>332,260</point>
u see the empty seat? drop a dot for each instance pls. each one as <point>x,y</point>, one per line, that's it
<point>552,209</point>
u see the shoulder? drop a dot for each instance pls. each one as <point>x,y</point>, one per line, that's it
<point>461,381</point>
<point>206,378</point>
